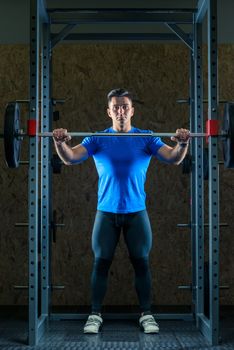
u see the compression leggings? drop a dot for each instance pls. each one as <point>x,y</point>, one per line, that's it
<point>138,238</point>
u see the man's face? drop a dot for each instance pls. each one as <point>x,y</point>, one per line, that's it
<point>120,111</point>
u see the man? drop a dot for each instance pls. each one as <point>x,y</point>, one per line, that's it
<point>121,164</point>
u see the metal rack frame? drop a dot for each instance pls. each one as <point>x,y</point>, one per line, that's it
<point>42,41</point>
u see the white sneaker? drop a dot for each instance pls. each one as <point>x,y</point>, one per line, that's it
<point>93,324</point>
<point>148,324</point>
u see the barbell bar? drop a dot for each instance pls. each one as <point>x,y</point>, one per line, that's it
<point>13,134</point>
<point>126,134</point>
<point>20,134</point>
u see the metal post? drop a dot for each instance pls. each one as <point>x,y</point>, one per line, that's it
<point>36,318</point>
<point>45,170</point>
<point>33,174</point>
<point>198,167</point>
<point>192,184</point>
<point>214,175</point>
<point>210,326</point>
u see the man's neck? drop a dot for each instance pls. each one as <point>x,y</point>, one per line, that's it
<point>126,128</point>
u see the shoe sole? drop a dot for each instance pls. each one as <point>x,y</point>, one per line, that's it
<point>91,332</point>
<point>151,332</point>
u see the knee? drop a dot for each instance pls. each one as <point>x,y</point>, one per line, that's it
<point>101,266</point>
<point>141,265</point>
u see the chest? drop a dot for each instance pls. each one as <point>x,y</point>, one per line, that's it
<point>123,149</point>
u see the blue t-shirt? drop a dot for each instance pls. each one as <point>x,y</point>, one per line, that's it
<point>122,163</point>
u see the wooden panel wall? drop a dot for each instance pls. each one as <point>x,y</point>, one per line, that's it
<point>157,74</point>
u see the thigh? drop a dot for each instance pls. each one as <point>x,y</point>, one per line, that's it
<point>138,234</point>
<point>105,235</point>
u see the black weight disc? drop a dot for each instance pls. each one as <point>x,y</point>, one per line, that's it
<point>228,141</point>
<point>12,144</point>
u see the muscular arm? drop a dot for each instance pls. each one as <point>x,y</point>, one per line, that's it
<point>173,155</point>
<point>71,155</point>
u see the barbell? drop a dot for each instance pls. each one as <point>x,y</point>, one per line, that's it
<point>13,134</point>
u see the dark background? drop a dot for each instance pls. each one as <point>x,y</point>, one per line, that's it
<point>83,73</point>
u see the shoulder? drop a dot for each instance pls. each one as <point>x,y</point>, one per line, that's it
<point>106,130</point>
<point>141,131</point>
<point>99,139</point>
<point>94,138</point>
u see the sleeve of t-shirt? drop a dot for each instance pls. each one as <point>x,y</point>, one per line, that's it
<point>154,144</point>
<point>90,143</point>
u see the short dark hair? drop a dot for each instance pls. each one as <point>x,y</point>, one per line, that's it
<point>120,92</point>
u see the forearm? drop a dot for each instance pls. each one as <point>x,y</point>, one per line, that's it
<point>65,152</point>
<point>178,153</point>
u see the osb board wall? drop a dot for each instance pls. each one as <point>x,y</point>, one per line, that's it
<point>157,74</point>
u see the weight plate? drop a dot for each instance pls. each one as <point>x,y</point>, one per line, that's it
<point>12,143</point>
<point>228,141</point>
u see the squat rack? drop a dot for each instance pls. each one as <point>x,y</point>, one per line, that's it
<point>42,41</point>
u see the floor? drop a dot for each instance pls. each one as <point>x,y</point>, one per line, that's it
<point>116,334</point>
